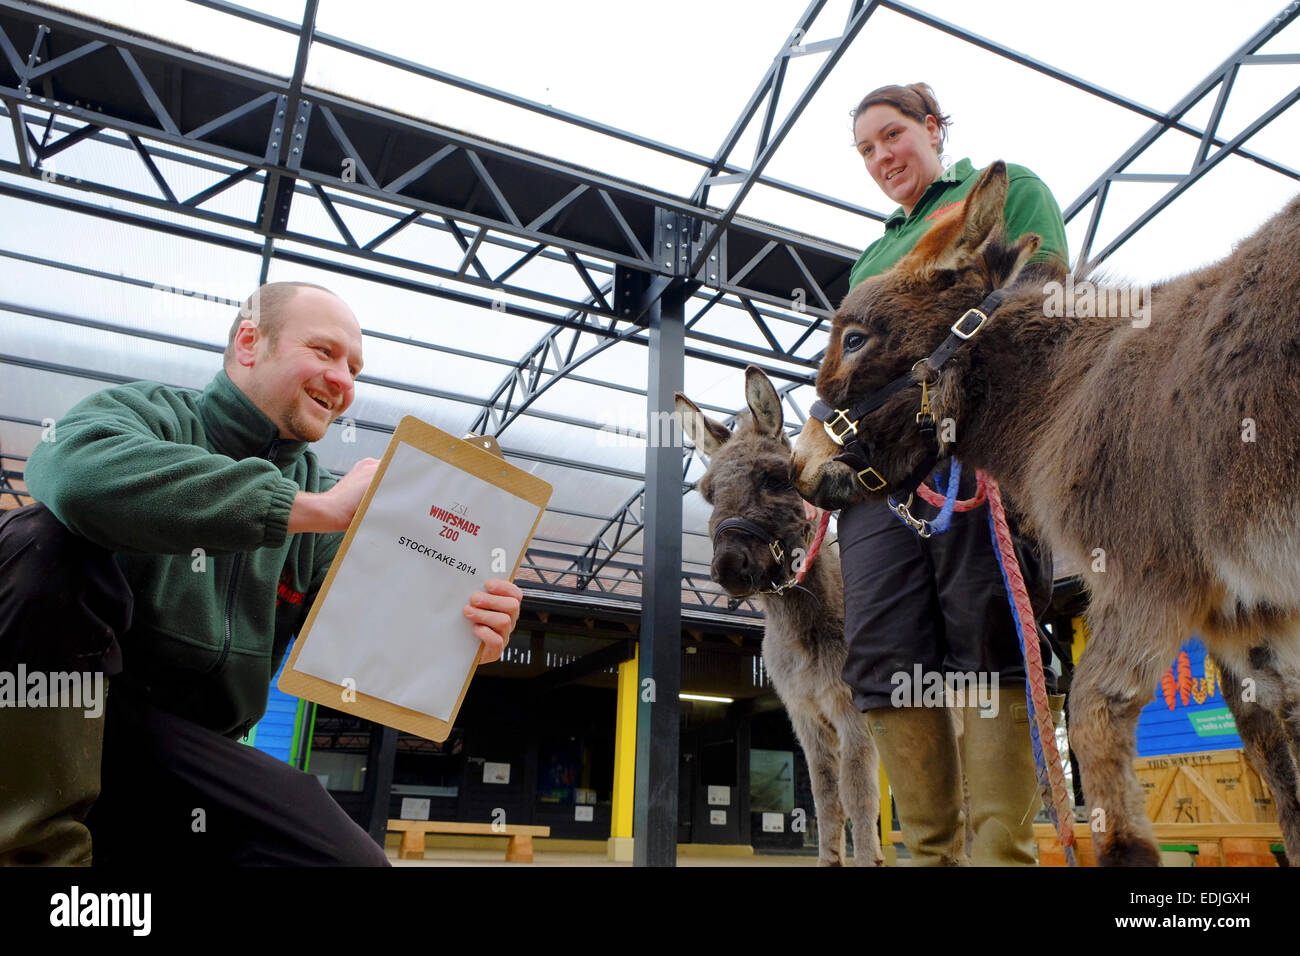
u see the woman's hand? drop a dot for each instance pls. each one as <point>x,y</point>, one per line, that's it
<point>494,615</point>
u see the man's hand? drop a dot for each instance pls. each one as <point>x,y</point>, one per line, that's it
<point>495,614</point>
<point>332,510</point>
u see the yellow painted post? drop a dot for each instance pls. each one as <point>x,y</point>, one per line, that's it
<point>886,813</point>
<point>1080,637</point>
<point>620,837</point>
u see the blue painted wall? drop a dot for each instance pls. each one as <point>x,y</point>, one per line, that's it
<point>274,732</point>
<point>1175,722</point>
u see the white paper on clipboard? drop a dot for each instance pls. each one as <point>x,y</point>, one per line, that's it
<point>392,620</point>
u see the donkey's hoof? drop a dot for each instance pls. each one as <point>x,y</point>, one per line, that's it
<point>828,861</point>
<point>1129,851</point>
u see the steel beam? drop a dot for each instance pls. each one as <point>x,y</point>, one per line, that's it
<point>573,119</point>
<point>658,712</point>
<point>857,20</point>
<point>180,230</point>
<point>1169,120</point>
<point>1200,170</point>
<point>350,132</point>
<point>1222,76</point>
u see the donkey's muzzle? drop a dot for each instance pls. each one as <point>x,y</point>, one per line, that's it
<point>735,569</point>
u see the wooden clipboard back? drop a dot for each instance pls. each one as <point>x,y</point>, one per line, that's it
<point>476,455</point>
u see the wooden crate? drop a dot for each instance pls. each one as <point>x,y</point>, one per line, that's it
<point>1213,844</point>
<point>1217,786</point>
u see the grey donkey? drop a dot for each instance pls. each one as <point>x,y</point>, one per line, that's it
<point>748,478</point>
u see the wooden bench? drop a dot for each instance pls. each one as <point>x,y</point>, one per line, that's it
<point>1214,844</point>
<point>518,850</point>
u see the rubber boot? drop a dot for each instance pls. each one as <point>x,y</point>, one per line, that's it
<point>49,778</point>
<point>958,715</point>
<point>63,601</point>
<point>918,749</point>
<point>998,757</point>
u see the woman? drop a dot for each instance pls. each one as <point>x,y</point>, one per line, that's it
<point>939,602</point>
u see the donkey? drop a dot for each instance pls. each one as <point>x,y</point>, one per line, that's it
<point>1158,453</point>
<point>803,642</point>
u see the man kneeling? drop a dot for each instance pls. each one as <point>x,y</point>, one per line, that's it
<point>177,545</point>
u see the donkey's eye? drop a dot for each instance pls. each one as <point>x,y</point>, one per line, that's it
<point>778,483</point>
<point>853,341</point>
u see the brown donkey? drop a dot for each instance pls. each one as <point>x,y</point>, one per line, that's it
<point>1158,449</point>
<point>748,478</point>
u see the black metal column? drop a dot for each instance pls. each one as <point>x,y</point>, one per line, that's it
<point>379,780</point>
<point>304,734</point>
<point>744,741</point>
<point>657,728</point>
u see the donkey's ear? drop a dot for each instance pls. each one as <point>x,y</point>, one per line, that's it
<point>980,215</point>
<point>763,402</point>
<point>707,434</point>
<point>1005,262</point>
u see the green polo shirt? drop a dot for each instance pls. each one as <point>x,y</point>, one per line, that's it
<point>1030,207</point>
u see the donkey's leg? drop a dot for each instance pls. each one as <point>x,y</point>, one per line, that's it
<point>1115,678</point>
<point>1265,738</point>
<point>859,778</point>
<point>821,748</point>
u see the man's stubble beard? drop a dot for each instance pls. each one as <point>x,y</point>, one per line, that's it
<point>303,429</point>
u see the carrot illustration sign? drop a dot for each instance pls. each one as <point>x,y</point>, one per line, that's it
<point>1183,687</point>
<point>1187,712</point>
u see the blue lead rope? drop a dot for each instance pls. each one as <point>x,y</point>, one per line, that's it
<point>944,518</point>
<point>941,522</point>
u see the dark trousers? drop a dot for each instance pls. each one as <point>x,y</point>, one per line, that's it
<point>174,790</point>
<point>171,791</point>
<point>938,602</point>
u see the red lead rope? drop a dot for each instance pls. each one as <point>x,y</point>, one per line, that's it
<point>816,546</point>
<point>934,498</point>
<point>1054,785</point>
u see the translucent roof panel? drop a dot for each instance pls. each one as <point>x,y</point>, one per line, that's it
<point>211,32</point>
<point>619,65</point>
<point>108,273</point>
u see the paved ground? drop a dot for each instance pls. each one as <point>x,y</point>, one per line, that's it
<point>454,857</point>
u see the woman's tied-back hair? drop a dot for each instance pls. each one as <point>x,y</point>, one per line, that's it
<point>915,101</point>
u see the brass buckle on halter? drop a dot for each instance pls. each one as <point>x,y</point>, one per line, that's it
<point>925,403</point>
<point>874,474</point>
<point>830,427</point>
<point>778,552</point>
<point>919,525</point>
<point>957,329</point>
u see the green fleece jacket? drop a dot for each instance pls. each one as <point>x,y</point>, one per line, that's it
<point>192,493</point>
<point>1030,207</point>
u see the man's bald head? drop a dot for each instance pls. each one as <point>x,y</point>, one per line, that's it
<point>295,352</point>
<point>265,308</point>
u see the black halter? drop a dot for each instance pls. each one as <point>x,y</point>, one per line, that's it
<point>774,545</point>
<point>842,424</point>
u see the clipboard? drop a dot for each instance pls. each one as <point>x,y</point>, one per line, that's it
<point>427,459</point>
